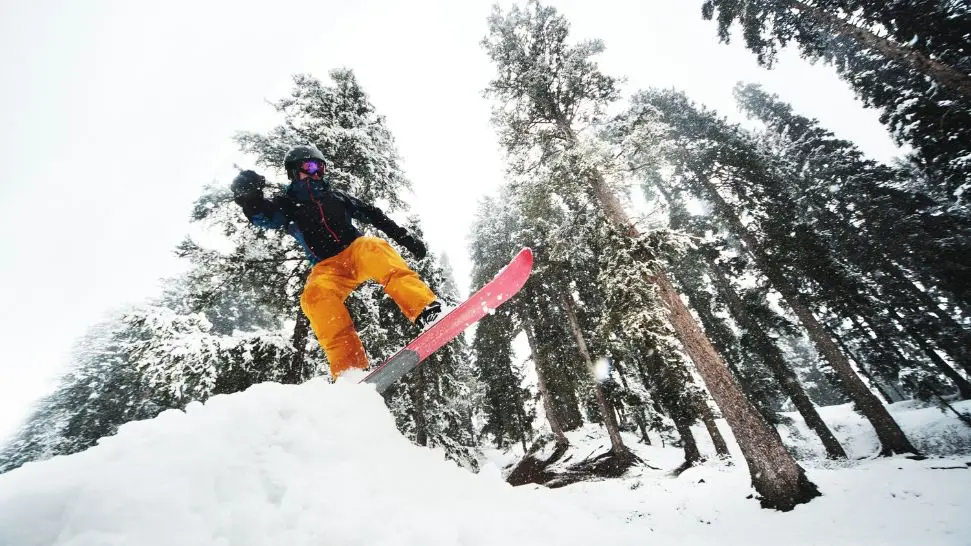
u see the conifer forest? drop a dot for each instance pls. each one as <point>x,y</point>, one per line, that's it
<point>700,282</point>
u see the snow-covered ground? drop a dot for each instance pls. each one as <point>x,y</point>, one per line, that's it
<point>324,464</point>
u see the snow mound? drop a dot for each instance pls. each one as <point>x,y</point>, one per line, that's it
<point>309,464</point>
<point>933,432</point>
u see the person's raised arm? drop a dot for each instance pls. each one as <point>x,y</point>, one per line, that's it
<point>247,190</point>
<point>376,217</point>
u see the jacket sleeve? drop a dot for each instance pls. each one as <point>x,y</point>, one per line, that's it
<point>373,215</point>
<point>263,213</point>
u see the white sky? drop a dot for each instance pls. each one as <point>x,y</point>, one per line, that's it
<point>113,115</point>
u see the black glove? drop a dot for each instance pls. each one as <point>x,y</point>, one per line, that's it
<point>415,246</point>
<point>247,186</point>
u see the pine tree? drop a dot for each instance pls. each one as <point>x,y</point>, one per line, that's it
<point>884,219</point>
<point>632,308</point>
<point>493,239</point>
<point>101,392</point>
<point>431,405</point>
<point>504,403</point>
<point>908,58</point>
<point>853,202</point>
<point>713,160</point>
<point>547,93</point>
<point>755,358</point>
<point>769,24</point>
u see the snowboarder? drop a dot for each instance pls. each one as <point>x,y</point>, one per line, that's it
<point>319,218</point>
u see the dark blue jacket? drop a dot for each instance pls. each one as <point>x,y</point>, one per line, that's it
<point>318,216</point>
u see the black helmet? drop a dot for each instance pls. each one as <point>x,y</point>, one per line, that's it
<point>299,154</point>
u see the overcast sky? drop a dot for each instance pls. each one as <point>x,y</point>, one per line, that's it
<point>114,114</point>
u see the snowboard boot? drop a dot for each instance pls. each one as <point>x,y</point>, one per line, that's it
<point>428,315</point>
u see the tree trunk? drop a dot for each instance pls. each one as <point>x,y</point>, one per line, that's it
<point>641,421</point>
<point>295,373</point>
<point>776,476</point>
<point>877,385</point>
<point>639,418</point>
<point>944,74</point>
<point>566,400</point>
<point>552,413</point>
<point>613,431</point>
<point>884,338</point>
<point>418,400</point>
<point>774,360</point>
<point>522,426</point>
<point>708,418</point>
<point>885,334</point>
<point>892,438</point>
<point>958,346</point>
<point>962,384</point>
<point>691,453</point>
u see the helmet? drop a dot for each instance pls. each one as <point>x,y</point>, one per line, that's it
<point>298,154</point>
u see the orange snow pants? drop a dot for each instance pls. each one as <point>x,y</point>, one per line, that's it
<point>332,280</point>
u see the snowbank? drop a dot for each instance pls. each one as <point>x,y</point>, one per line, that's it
<point>324,464</point>
<point>313,464</point>
<point>932,431</point>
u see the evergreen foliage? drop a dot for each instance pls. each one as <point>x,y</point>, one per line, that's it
<point>102,391</point>
<point>910,59</point>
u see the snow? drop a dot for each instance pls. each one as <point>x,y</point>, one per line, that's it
<point>323,463</point>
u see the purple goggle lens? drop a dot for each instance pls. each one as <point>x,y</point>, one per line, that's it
<point>312,167</point>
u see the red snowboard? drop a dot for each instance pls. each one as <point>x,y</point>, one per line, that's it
<point>496,292</point>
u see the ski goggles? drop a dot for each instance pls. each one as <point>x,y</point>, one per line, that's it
<point>313,166</point>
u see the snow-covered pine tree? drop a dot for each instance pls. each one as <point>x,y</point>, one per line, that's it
<point>723,167</point>
<point>507,418</point>
<point>853,201</point>
<point>690,273</point>
<point>500,228</point>
<point>914,247</point>
<point>632,311</point>
<point>433,404</point>
<point>909,59</point>
<point>563,224</point>
<point>505,401</point>
<point>102,391</point>
<point>549,95</point>
<point>741,324</point>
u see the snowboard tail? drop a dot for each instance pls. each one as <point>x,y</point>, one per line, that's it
<point>503,286</point>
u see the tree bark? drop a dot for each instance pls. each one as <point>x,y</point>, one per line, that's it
<point>613,431</point>
<point>552,414</point>
<point>418,400</point>
<point>962,384</point>
<point>708,418</point>
<point>639,418</point>
<point>773,359</point>
<point>957,347</point>
<point>892,438</point>
<point>691,453</point>
<point>522,427</point>
<point>874,383</point>
<point>776,476</point>
<point>944,74</point>
<point>295,373</point>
